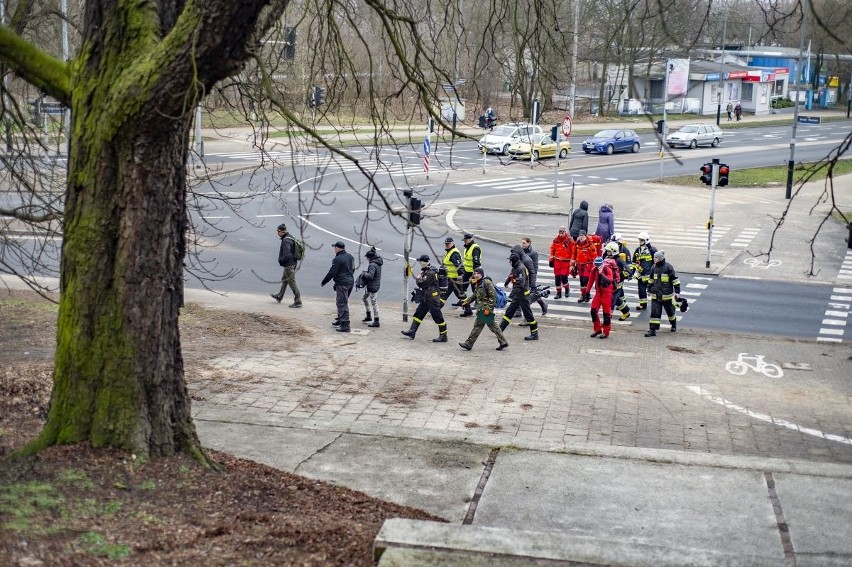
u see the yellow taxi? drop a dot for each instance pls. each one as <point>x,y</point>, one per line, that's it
<point>542,146</point>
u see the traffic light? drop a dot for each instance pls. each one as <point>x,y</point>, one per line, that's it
<point>661,126</point>
<point>414,206</point>
<point>724,170</point>
<point>317,96</point>
<point>430,125</point>
<point>554,132</point>
<point>707,174</point>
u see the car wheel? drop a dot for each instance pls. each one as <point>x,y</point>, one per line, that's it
<point>535,155</point>
<point>635,147</point>
<point>506,150</point>
<point>715,143</point>
<point>671,146</point>
<point>609,150</point>
<point>693,144</point>
<point>588,151</point>
<point>563,153</point>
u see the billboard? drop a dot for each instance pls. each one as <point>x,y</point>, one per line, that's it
<point>678,77</point>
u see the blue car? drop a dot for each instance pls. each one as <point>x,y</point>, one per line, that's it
<point>610,141</point>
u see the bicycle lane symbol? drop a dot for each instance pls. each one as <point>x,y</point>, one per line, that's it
<point>746,362</point>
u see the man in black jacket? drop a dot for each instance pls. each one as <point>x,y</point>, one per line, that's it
<point>341,271</point>
<point>430,301</point>
<point>371,278</point>
<point>519,298</point>
<point>287,260</point>
<point>665,292</point>
<point>579,220</point>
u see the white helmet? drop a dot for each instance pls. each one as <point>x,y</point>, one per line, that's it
<point>643,236</point>
<point>612,248</point>
<point>616,237</point>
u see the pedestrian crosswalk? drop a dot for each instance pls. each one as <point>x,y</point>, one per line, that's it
<point>567,309</point>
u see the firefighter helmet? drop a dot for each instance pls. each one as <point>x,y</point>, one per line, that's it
<point>643,236</point>
<point>612,248</point>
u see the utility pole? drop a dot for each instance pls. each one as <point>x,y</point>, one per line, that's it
<point>710,222</point>
<point>721,68</point>
<point>789,192</point>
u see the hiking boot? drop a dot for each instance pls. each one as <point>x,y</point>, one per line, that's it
<point>673,329</point>
<point>409,333</point>
<point>296,304</point>
<point>440,339</point>
<point>275,297</point>
<point>558,295</point>
<point>335,323</point>
<point>624,316</point>
<point>502,346</point>
<point>344,328</point>
<point>595,334</point>
<point>465,346</point>
<point>375,323</point>
<point>651,333</point>
<point>367,319</point>
<point>531,337</point>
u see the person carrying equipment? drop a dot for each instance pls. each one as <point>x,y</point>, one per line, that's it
<point>427,283</point>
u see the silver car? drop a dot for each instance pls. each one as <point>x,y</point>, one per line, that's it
<point>694,135</point>
<point>502,137</point>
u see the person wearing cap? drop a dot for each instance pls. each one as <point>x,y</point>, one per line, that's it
<point>472,260</point>
<point>453,265</point>
<point>371,279</point>
<point>603,278</point>
<point>287,260</point>
<point>431,302</point>
<point>560,259</point>
<point>586,249</point>
<point>643,261</point>
<point>519,297</point>
<point>341,271</point>
<point>665,291</point>
<point>485,296</point>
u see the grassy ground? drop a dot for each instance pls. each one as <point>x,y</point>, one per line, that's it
<point>765,176</point>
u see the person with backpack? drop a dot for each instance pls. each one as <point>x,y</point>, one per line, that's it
<point>371,278</point>
<point>288,255</point>
<point>485,297</point>
<point>602,279</point>
<point>341,271</point>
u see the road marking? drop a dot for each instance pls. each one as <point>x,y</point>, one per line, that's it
<point>318,227</point>
<point>768,418</point>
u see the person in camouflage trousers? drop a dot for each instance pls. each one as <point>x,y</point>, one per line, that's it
<point>484,295</point>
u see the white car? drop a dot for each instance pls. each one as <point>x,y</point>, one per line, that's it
<point>499,140</point>
<point>694,135</point>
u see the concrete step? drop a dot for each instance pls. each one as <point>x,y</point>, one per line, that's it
<point>416,543</point>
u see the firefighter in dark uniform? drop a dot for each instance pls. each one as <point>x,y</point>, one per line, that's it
<point>453,266</point>
<point>619,302</point>
<point>520,279</point>
<point>430,302</point>
<point>643,261</point>
<point>665,291</point>
<point>472,259</point>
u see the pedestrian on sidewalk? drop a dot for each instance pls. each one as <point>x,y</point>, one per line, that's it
<point>371,279</point>
<point>342,272</point>
<point>606,223</point>
<point>738,111</point>
<point>429,301</point>
<point>579,220</point>
<point>526,245</point>
<point>603,278</point>
<point>560,259</point>
<point>287,260</point>
<point>485,296</point>
<point>454,266</point>
<point>519,297</point>
<point>729,109</point>
<point>665,291</point>
<point>472,260</point>
<point>643,261</point>
<point>619,302</point>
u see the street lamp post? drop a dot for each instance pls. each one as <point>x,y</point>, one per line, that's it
<point>721,68</point>
<point>789,193</point>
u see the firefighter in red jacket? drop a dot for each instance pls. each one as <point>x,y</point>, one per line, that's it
<point>561,257</point>
<point>586,249</point>
<point>602,278</point>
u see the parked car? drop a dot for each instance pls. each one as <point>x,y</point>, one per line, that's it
<point>609,141</point>
<point>694,135</point>
<point>502,137</point>
<point>542,147</point>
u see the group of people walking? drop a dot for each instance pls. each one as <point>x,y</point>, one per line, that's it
<point>601,264</point>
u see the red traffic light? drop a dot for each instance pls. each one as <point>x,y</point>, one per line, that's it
<point>706,174</point>
<point>724,170</point>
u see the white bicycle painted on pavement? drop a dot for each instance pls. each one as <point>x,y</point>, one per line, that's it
<point>744,362</point>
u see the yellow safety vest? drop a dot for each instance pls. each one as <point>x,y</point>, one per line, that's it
<point>452,271</point>
<point>468,258</point>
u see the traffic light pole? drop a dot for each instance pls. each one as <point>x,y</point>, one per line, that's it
<point>406,255</point>
<point>712,209</point>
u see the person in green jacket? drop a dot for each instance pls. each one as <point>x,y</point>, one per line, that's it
<point>484,295</point>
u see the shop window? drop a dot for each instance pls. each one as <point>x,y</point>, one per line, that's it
<point>748,91</point>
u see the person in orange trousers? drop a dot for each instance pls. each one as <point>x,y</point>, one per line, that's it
<point>560,259</point>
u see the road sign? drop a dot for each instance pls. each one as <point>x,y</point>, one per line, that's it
<point>566,126</point>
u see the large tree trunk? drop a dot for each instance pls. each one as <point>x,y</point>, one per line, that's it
<point>118,375</point>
